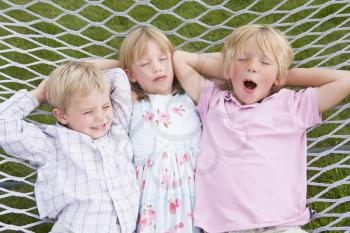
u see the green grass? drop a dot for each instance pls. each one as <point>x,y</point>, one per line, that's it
<point>42,45</point>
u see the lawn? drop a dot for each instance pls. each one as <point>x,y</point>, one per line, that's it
<point>36,36</point>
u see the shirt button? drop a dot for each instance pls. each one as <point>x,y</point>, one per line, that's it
<point>227,96</point>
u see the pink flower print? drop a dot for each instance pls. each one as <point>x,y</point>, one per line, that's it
<point>165,178</point>
<point>163,117</point>
<point>152,214</point>
<point>189,214</point>
<point>177,202</point>
<point>148,216</point>
<point>149,163</point>
<point>174,184</point>
<point>178,161</point>
<point>178,227</point>
<point>165,155</point>
<point>144,222</point>
<point>143,182</point>
<point>178,110</point>
<point>173,206</point>
<point>148,116</point>
<point>186,157</point>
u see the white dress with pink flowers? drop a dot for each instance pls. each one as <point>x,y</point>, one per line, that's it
<point>165,132</point>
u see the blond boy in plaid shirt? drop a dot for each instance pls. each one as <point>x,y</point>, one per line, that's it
<point>86,179</point>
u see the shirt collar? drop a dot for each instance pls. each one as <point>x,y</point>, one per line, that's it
<point>229,97</point>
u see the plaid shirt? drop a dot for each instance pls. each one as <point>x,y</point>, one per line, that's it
<point>89,185</point>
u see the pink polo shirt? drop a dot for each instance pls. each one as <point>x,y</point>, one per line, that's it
<point>251,172</point>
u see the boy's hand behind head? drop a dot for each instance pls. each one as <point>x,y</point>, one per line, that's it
<point>40,92</point>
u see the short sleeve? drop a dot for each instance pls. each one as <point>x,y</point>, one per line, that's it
<point>305,107</point>
<point>204,99</point>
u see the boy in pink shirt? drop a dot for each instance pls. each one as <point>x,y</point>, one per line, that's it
<point>251,173</point>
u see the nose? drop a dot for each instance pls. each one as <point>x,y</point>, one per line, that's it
<point>251,70</point>
<point>157,67</point>
<point>252,67</point>
<point>100,116</point>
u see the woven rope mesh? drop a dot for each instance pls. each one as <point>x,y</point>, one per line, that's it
<point>36,36</point>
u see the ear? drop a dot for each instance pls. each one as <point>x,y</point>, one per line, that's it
<point>277,82</point>
<point>60,116</point>
<point>280,80</point>
<point>226,75</point>
<point>130,75</point>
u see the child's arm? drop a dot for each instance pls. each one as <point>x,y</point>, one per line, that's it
<point>334,91</point>
<point>19,137</point>
<point>333,85</point>
<point>311,77</point>
<point>188,68</point>
<point>120,97</point>
<point>104,64</point>
<point>107,64</point>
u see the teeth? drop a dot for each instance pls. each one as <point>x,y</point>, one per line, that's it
<point>98,127</point>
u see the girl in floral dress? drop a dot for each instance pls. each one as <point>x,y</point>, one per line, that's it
<point>165,130</point>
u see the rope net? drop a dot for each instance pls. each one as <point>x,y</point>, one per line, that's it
<point>36,36</point>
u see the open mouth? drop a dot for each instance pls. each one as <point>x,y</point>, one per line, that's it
<point>99,127</point>
<point>250,85</point>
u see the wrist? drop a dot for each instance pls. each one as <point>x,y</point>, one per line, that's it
<point>41,98</point>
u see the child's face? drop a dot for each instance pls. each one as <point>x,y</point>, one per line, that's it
<point>252,74</point>
<point>153,71</point>
<point>91,115</point>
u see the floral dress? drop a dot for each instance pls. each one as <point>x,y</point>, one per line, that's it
<point>165,132</point>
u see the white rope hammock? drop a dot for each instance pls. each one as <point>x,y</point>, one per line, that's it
<point>36,36</point>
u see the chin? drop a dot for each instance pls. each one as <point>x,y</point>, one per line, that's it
<point>97,137</point>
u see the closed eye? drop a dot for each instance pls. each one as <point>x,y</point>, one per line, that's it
<point>144,64</point>
<point>106,107</point>
<point>87,112</point>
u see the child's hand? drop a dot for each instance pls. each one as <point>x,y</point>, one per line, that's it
<point>40,92</point>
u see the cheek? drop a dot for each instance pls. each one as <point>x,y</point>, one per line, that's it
<point>235,70</point>
<point>84,120</point>
<point>272,75</point>
<point>137,74</point>
<point>169,65</point>
<point>169,69</point>
<point>110,113</point>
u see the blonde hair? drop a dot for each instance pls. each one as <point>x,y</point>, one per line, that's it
<point>74,78</point>
<point>266,38</point>
<point>135,45</point>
